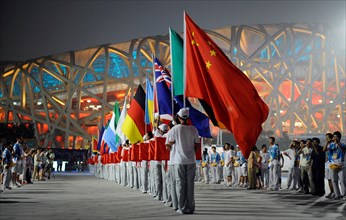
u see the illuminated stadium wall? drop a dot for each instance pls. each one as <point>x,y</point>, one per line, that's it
<point>294,67</point>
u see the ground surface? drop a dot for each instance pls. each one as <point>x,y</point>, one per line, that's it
<point>82,196</point>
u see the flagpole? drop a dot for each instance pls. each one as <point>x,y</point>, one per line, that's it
<point>155,92</point>
<point>184,59</point>
<point>172,71</point>
<point>146,107</point>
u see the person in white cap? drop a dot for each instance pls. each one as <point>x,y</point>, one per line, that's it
<point>184,137</point>
<point>164,167</point>
<point>162,129</point>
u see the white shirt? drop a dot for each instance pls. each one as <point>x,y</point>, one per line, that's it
<point>265,158</point>
<point>37,159</point>
<point>292,155</point>
<point>305,157</point>
<point>185,137</point>
<point>172,151</point>
<point>228,155</point>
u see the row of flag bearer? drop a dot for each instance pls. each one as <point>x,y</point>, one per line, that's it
<point>164,165</point>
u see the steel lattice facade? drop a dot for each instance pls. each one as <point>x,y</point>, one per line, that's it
<point>295,68</point>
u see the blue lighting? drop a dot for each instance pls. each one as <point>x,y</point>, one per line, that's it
<point>235,51</point>
<point>63,69</point>
<point>99,64</point>
<point>264,54</point>
<point>51,83</point>
<point>89,77</point>
<point>117,67</point>
<point>16,86</point>
<point>35,74</point>
<point>76,79</point>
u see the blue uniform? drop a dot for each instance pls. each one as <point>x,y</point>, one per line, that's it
<point>335,154</point>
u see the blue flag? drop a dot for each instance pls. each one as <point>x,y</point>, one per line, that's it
<point>149,103</point>
<point>164,97</point>
<point>163,88</point>
<point>100,138</point>
<point>198,119</point>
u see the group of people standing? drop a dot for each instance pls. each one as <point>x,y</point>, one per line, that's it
<point>308,164</point>
<point>21,165</point>
<point>172,181</point>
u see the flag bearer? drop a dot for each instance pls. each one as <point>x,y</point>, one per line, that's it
<point>184,137</point>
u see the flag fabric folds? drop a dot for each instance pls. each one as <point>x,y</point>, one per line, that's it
<point>164,94</point>
<point>163,88</point>
<point>94,144</point>
<point>177,61</point>
<point>110,136</point>
<point>198,119</point>
<point>149,103</point>
<point>211,76</point>
<point>99,142</point>
<point>118,131</point>
<point>177,54</point>
<point>134,124</point>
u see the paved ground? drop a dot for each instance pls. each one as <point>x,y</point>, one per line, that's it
<point>82,196</point>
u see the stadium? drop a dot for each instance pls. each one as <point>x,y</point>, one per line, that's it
<point>296,68</point>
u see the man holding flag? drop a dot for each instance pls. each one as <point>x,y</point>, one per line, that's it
<point>184,137</point>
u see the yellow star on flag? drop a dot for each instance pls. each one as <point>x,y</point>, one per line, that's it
<point>213,53</point>
<point>208,64</point>
<point>194,42</point>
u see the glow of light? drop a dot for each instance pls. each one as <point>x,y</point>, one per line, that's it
<point>320,101</point>
<point>289,99</point>
<point>88,101</point>
<point>307,99</point>
<point>39,103</point>
<point>275,114</point>
<point>98,106</point>
<point>338,116</point>
<point>281,111</point>
<point>58,100</point>
<point>8,73</point>
<point>297,124</point>
<point>14,103</point>
<point>331,101</point>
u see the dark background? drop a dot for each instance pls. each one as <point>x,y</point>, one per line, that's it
<point>31,29</point>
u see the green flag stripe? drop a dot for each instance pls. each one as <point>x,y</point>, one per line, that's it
<point>177,58</point>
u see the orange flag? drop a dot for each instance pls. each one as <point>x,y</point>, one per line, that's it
<point>211,76</point>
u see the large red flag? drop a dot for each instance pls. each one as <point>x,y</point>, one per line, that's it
<point>211,76</point>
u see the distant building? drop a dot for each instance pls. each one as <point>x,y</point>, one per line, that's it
<point>296,69</point>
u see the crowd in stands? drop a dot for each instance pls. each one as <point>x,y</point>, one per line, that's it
<point>22,165</point>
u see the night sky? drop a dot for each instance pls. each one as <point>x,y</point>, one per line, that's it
<point>31,29</point>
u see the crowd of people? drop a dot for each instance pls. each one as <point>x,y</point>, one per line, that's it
<point>172,181</point>
<point>21,165</point>
<point>308,165</point>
